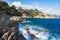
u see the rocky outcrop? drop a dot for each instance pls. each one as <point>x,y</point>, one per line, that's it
<point>6,35</point>
<point>6,22</point>
<point>3,30</point>
<point>15,18</point>
<point>15,35</point>
<point>12,24</point>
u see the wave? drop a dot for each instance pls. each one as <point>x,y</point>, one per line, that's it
<point>37,30</point>
<point>34,30</point>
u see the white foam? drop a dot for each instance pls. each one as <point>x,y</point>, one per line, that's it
<point>24,32</point>
<point>28,21</point>
<point>40,35</point>
<point>55,38</point>
<point>43,35</point>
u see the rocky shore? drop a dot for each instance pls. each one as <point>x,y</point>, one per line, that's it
<point>11,34</point>
<point>8,28</point>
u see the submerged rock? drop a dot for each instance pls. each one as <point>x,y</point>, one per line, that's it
<point>26,28</point>
<point>43,30</point>
<point>32,36</point>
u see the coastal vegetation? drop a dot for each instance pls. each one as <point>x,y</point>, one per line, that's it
<point>9,10</point>
<point>24,13</point>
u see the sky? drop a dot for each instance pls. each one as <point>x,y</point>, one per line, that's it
<point>46,6</point>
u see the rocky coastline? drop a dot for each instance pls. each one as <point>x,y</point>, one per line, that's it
<point>8,23</point>
<point>8,29</point>
<point>9,16</point>
<point>12,34</point>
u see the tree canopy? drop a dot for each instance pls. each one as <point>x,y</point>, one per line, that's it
<point>11,10</point>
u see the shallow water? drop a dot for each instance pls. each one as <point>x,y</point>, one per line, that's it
<point>37,24</point>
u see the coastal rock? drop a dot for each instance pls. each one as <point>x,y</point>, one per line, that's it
<point>15,18</point>
<point>12,24</point>
<point>5,20</point>
<point>26,27</point>
<point>2,31</point>
<point>6,35</point>
<point>13,35</point>
<point>16,36</point>
<point>32,36</point>
<point>21,37</point>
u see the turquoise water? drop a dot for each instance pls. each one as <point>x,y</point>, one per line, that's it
<point>37,24</point>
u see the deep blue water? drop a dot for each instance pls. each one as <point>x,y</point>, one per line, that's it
<point>52,25</point>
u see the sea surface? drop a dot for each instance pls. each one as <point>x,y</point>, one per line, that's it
<point>36,24</point>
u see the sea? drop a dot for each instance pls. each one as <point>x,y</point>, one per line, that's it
<point>35,25</point>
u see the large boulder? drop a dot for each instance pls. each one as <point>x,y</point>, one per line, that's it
<point>6,35</point>
<point>3,30</point>
<point>13,35</point>
<point>16,36</point>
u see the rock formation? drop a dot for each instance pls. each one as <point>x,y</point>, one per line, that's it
<point>13,34</point>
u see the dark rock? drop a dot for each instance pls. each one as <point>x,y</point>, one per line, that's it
<point>13,36</point>
<point>2,31</point>
<point>6,35</point>
<point>31,35</point>
<point>21,37</point>
<point>16,36</point>
<point>12,24</point>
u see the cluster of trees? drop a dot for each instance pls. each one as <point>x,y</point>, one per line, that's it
<point>11,10</point>
<point>29,12</point>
